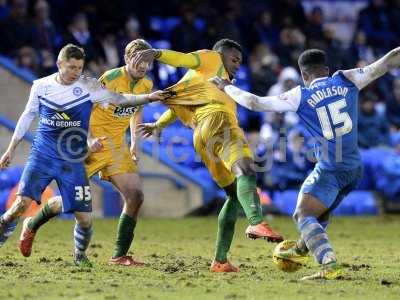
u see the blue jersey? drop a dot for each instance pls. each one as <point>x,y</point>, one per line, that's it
<point>64,113</point>
<point>328,108</point>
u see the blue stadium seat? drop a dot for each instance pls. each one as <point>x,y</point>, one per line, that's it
<point>202,173</point>
<point>177,135</point>
<point>357,203</point>
<point>285,201</point>
<point>3,199</point>
<point>10,177</point>
<point>152,112</point>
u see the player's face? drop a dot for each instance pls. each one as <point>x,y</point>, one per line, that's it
<point>70,70</point>
<point>232,58</point>
<point>138,72</point>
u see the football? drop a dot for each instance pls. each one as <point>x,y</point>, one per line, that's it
<point>285,265</point>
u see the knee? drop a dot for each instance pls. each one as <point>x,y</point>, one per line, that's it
<point>55,204</point>
<point>134,197</point>
<point>84,221</point>
<point>244,168</point>
<point>22,204</point>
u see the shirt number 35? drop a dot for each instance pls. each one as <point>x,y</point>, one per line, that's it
<point>82,193</point>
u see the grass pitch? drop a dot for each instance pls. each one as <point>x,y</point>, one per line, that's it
<point>179,253</point>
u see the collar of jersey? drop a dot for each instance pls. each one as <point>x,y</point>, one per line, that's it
<point>317,79</point>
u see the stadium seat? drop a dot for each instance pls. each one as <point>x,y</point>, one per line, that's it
<point>10,177</point>
<point>285,201</point>
<point>178,135</point>
<point>4,194</point>
<point>152,112</point>
<point>357,203</point>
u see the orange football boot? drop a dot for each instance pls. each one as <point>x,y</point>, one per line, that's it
<point>26,239</point>
<point>263,230</point>
<point>218,267</point>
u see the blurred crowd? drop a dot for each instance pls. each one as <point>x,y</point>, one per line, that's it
<point>272,33</point>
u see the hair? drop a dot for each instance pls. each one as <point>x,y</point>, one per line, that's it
<point>71,51</point>
<point>223,44</point>
<point>312,60</point>
<point>136,45</point>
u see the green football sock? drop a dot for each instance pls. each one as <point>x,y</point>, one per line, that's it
<point>42,217</point>
<point>248,198</point>
<point>226,228</point>
<point>126,227</point>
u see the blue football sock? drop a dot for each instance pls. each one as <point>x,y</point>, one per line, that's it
<point>316,239</point>
<point>82,238</point>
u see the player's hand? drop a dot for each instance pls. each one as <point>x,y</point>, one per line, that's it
<point>133,152</point>
<point>96,144</point>
<point>219,82</point>
<point>159,96</point>
<point>6,159</point>
<point>149,129</point>
<point>147,55</point>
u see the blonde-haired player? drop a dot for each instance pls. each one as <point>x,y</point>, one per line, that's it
<point>110,155</point>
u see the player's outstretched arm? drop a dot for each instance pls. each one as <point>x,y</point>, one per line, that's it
<point>288,101</point>
<point>169,57</point>
<point>138,100</point>
<point>361,77</point>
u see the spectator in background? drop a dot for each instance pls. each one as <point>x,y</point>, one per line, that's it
<point>333,49</point>
<point>288,79</point>
<point>374,21</point>
<point>264,30</point>
<point>27,58</point>
<point>265,68</point>
<point>78,34</point>
<point>314,28</point>
<point>373,129</point>
<point>131,32</point>
<point>108,53</point>
<point>292,43</point>
<point>17,31</point>
<point>360,50</point>
<point>289,13</point>
<point>48,63</point>
<point>186,37</point>
<point>393,106</point>
<point>44,26</point>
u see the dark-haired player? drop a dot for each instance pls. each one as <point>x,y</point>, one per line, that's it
<point>218,139</point>
<point>328,107</point>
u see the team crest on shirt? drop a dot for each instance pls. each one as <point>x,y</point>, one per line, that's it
<point>77,91</point>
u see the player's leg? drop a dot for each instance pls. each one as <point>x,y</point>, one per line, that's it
<point>250,201</point>
<point>224,140</point>
<point>77,198</point>
<point>130,187</point>
<point>229,212</point>
<point>33,181</point>
<point>226,228</point>
<point>315,237</point>
<point>31,225</point>
<point>9,220</point>
<point>82,236</point>
<point>301,247</point>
